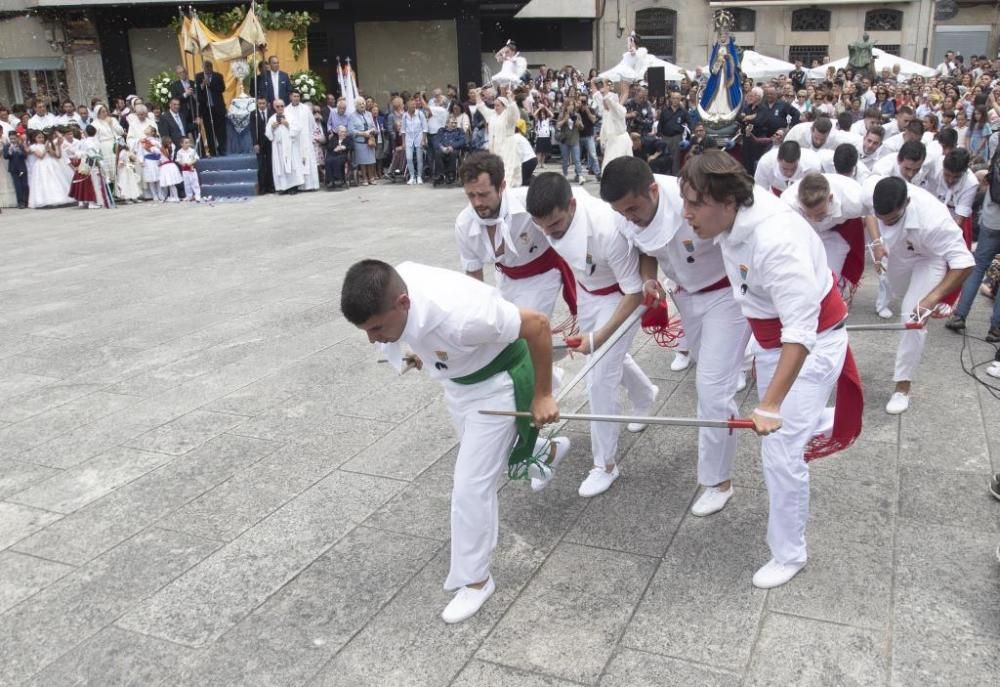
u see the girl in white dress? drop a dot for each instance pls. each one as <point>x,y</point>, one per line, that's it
<point>512,66</point>
<point>615,140</point>
<point>47,185</point>
<point>149,148</point>
<point>633,65</point>
<point>502,122</point>
<point>126,176</point>
<point>108,132</point>
<point>170,173</point>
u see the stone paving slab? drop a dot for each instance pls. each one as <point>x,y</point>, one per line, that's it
<point>206,479</point>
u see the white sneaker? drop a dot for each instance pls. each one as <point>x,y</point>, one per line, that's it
<point>898,403</point>
<point>420,180</point>
<point>411,182</point>
<point>712,500</point>
<point>467,602</point>
<point>542,475</point>
<point>994,370</point>
<point>598,481</point>
<point>885,313</point>
<point>681,362</point>
<point>775,574</point>
<point>741,383</point>
<point>636,427</point>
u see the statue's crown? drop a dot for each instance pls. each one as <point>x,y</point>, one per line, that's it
<point>724,21</point>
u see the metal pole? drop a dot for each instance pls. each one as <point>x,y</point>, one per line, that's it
<point>595,356</point>
<point>888,327</point>
<point>731,424</point>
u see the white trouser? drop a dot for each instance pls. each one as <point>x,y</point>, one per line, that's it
<point>914,278</point>
<point>836,250</point>
<point>536,293</point>
<point>485,444</point>
<point>803,415</point>
<point>884,298</point>
<point>192,189</point>
<point>717,333</point>
<point>614,369</point>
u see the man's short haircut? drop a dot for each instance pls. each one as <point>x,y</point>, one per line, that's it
<point>717,175</point>
<point>813,190</point>
<point>790,151</point>
<point>879,131</point>
<point>479,162</point>
<point>890,195</point>
<point>904,109</point>
<point>844,121</point>
<point>948,138</point>
<point>548,192</point>
<point>912,150</point>
<point>845,158</point>
<point>294,91</point>
<point>370,288</point>
<point>916,127</point>
<point>957,161</point>
<point>625,175</point>
<point>822,125</point>
<point>873,113</point>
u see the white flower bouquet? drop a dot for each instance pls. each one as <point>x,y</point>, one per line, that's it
<point>310,85</point>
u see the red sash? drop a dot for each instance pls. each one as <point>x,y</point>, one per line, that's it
<point>604,291</point>
<point>853,231</point>
<point>850,395</point>
<point>721,284</point>
<point>549,260</point>
<point>187,168</point>
<point>952,297</point>
<point>776,191</point>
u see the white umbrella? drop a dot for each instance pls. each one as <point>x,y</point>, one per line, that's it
<point>907,68</point>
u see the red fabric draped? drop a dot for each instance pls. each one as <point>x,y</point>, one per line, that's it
<point>549,260</point>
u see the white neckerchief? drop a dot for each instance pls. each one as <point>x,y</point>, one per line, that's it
<point>573,245</point>
<point>501,235</point>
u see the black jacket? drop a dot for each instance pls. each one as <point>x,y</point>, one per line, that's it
<point>258,127</point>
<point>168,126</point>
<point>210,93</point>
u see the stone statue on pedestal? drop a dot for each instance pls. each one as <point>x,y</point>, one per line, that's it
<point>860,57</point>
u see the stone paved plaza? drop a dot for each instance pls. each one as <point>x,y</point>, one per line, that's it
<point>206,480</point>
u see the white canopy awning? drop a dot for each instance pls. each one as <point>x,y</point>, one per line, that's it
<point>883,59</point>
<point>758,66</point>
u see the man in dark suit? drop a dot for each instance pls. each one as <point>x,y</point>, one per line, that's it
<point>274,83</point>
<point>210,87</point>
<point>262,146</point>
<point>183,90</point>
<point>175,124</point>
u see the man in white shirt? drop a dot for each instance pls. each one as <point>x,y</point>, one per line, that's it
<point>714,327</point>
<point>833,206</point>
<point>910,164</point>
<point>42,119</point>
<point>778,169</point>
<point>780,279</point>
<point>488,355</point>
<point>867,94</point>
<point>870,150</point>
<point>302,114</point>
<point>927,260</point>
<point>583,230</point>
<point>872,118</point>
<point>817,135</point>
<point>956,185</point>
<point>69,116</point>
<point>286,156</point>
<point>904,115</point>
<point>436,111</point>
<point>949,65</point>
<point>844,161</point>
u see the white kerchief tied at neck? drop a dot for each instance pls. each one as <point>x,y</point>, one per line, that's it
<point>573,245</point>
<point>658,233</point>
<point>502,224</point>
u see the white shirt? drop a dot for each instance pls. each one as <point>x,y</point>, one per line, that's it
<point>38,122</point>
<point>847,204</point>
<point>859,128</point>
<point>777,267</point>
<point>69,120</point>
<point>802,134</point>
<point>768,174</point>
<point>926,230</point>
<point>516,233</point>
<point>868,99</point>
<point>891,129</point>
<point>946,68</point>
<point>275,80</point>
<point>598,253</point>
<point>457,325</point>
<point>958,198</point>
<point>687,260</point>
<point>524,148</point>
<point>861,172</point>
<point>888,166</point>
<point>438,118</point>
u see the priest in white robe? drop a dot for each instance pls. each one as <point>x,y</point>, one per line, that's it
<point>286,155</point>
<point>302,113</point>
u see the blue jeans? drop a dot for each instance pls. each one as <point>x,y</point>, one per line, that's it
<point>986,250</point>
<point>565,151</point>
<point>417,171</point>
<point>588,144</point>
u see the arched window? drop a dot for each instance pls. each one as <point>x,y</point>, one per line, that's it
<point>657,29</point>
<point>883,20</point>
<point>811,19</point>
<point>743,19</point>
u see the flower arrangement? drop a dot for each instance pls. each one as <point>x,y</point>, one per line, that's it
<point>159,89</point>
<point>310,85</point>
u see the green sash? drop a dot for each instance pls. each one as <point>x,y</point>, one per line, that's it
<point>515,361</point>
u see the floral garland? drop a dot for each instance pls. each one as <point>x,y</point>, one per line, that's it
<point>310,85</point>
<point>276,20</point>
<point>159,89</point>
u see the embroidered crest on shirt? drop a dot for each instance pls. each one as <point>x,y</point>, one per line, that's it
<point>523,237</point>
<point>689,247</point>
<point>909,246</point>
<point>442,356</point>
<point>744,271</point>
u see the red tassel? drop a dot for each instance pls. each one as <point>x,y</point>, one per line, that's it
<point>657,323</point>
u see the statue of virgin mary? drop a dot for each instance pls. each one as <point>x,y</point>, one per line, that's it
<point>722,97</point>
